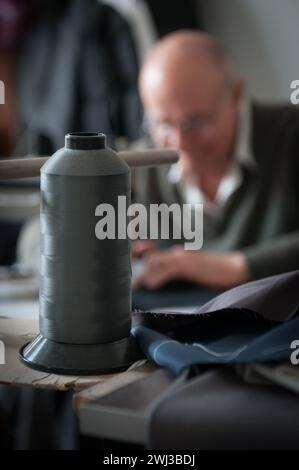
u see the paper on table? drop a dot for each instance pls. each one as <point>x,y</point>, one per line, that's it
<point>27,308</point>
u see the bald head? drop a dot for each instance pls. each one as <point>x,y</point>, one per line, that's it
<point>191,97</point>
<point>185,47</point>
<point>184,55</point>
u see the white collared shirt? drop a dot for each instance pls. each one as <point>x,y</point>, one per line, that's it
<point>231,181</point>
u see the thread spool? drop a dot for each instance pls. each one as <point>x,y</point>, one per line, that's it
<point>85,291</point>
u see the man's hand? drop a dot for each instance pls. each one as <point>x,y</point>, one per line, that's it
<point>141,248</point>
<point>211,269</point>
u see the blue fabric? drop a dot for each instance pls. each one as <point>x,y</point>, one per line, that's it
<point>242,346</point>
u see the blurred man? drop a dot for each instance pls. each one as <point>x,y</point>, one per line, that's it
<point>239,160</point>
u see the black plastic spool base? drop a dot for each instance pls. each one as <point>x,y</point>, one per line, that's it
<point>80,359</point>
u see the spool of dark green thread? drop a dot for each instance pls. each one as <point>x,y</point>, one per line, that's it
<point>85,292</point>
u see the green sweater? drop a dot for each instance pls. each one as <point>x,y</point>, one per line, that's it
<point>261,218</point>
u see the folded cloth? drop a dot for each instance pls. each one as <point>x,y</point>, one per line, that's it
<point>284,374</point>
<point>218,410</point>
<point>255,322</point>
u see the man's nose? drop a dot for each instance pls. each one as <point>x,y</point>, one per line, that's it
<point>179,138</point>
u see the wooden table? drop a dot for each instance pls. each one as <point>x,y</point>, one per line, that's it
<point>15,332</point>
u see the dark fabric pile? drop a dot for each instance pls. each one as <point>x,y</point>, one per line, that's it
<point>209,405</point>
<point>255,322</point>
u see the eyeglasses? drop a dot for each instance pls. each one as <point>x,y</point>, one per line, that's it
<point>195,123</point>
<point>198,123</point>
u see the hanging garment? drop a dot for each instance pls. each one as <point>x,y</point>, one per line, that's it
<point>78,72</point>
<point>16,16</point>
<point>138,15</point>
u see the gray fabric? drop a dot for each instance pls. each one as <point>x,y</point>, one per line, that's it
<point>286,375</point>
<point>217,410</point>
<point>275,298</point>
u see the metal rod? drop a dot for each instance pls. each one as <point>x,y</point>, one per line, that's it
<point>30,167</point>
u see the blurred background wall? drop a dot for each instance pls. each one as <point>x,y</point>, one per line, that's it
<point>262,37</point>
